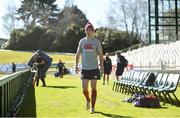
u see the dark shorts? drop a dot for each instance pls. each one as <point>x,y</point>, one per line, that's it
<point>90,74</point>
<point>107,72</point>
<point>119,72</point>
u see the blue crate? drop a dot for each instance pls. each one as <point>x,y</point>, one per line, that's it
<point>47,59</point>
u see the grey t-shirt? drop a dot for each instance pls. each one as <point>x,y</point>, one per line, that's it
<point>89,48</point>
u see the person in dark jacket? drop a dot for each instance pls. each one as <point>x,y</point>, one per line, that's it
<point>13,67</point>
<point>121,64</point>
<point>40,63</point>
<point>60,67</point>
<point>107,68</point>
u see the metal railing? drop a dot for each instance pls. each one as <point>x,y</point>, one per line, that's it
<point>10,85</point>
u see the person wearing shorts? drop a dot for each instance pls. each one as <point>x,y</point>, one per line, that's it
<point>89,49</point>
<point>107,68</point>
<point>121,64</point>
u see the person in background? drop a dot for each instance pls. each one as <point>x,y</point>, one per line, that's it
<point>13,67</point>
<point>90,49</point>
<point>40,63</point>
<point>107,68</point>
<point>121,64</point>
<point>60,67</point>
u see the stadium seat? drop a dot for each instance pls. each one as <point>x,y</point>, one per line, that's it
<point>171,87</point>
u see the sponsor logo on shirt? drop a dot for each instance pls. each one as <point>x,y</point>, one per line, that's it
<point>88,46</point>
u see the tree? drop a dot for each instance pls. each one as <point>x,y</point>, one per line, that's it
<point>9,20</point>
<point>118,13</point>
<point>38,12</point>
<point>129,15</point>
<point>63,35</point>
<point>69,40</point>
<point>68,16</point>
<point>113,39</point>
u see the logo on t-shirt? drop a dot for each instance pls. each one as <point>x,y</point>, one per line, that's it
<point>88,46</point>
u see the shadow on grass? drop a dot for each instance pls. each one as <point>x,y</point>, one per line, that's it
<point>176,103</point>
<point>112,115</point>
<point>62,87</point>
<point>28,107</point>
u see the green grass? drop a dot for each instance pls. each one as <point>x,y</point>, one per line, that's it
<point>23,57</point>
<point>2,74</point>
<point>9,56</point>
<point>64,98</point>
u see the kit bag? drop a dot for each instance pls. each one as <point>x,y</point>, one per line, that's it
<point>149,101</point>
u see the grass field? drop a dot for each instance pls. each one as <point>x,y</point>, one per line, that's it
<point>63,98</point>
<point>23,57</point>
<point>2,74</point>
<point>7,57</point>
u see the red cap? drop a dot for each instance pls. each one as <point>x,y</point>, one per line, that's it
<point>89,25</point>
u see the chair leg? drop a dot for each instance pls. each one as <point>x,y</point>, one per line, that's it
<point>154,92</point>
<point>176,99</point>
<point>120,87</point>
<point>170,98</point>
<point>117,88</point>
<point>146,91</point>
<point>140,89</point>
<point>113,85</point>
<point>123,88</point>
<point>130,90</point>
<point>160,97</point>
<point>165,96</point>
<point>134,89</point>
<point>126,87</point>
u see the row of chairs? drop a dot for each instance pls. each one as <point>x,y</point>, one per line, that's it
<point>136,81</point>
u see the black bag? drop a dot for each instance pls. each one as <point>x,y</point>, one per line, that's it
<point>56,74</point>
<point>149,101</point>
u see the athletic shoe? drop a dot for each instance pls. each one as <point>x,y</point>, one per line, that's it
<point>92,110</point>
